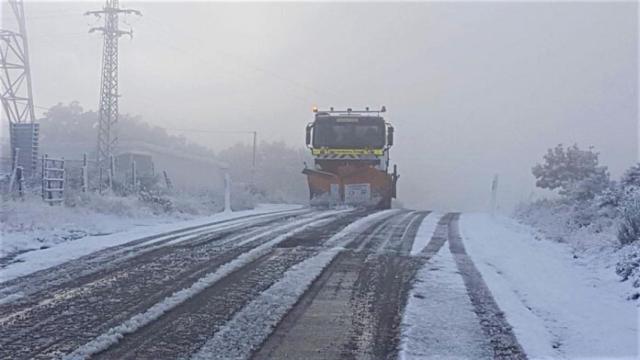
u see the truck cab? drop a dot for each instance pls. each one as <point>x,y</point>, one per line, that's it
<point>351,158</point>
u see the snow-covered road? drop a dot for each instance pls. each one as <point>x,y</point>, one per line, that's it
<point>302,283</point>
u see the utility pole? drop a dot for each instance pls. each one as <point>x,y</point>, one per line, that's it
<point>108,112</point>
<point>16,96</point>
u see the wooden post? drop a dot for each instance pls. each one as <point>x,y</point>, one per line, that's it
<point>61,182</point>
<point>111,172</point>
<point>14,170</point>
<point>44,176</point>
<point>20,182</point>
<point>85,174</point>
<point>134,178</point>
<point>100,180</point>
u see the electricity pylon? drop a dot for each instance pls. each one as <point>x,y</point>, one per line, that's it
<point>16,96</point>
<point>108,112</point>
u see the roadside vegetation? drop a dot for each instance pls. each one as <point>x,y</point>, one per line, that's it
<point>588,209</point>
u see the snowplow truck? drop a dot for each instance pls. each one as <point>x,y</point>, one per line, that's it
<point>351,159</point>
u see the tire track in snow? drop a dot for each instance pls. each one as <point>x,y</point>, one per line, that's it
<point>361,279</point>
<point>186,328</point>
<point>408,238</point>
<point>115,334</point>
<point>503,341</point>
<point>425,232</point>
<point>440,236</point>
<point>255,322</point>
<point>380,293</point>
<point>20,290</point>
<point>438,320</point>
<point>61,325</point>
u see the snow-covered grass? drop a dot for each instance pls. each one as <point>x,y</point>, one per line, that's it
<point>114,335</point>
<point>123,230</point>
<point>31,224</point>
<point>560,306</point>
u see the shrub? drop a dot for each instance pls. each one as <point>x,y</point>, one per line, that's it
<point>629,230</point>
<point>631,177</point>
<point>157,202</point>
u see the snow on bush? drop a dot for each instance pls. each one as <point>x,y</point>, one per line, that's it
<point>561,221</point>
<point>631,177</point>
<point>628,267</point>
<point>629,231</point>
<point>592,212</point>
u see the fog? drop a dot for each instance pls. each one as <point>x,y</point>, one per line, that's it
<point>473,89</point>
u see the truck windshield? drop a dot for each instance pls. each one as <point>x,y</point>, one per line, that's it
<point>334,133</point>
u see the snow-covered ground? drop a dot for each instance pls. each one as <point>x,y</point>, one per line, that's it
<point>561,305</point>
<point>439,322</point>
<point>28,254</point>
<point>31,224</point>
<point>425,232</point>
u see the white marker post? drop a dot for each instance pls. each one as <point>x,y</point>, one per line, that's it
<point>227,192</point>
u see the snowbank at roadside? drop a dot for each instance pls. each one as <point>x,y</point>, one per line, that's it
<point>590,234</point>
<point>561,305</point>
<point>30,223</point>
<point>99,231</point>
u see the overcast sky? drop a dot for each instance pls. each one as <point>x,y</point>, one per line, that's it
<point>473,89</point>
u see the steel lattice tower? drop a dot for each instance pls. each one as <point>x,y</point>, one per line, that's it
<point>16,96</point>
<point>17,99</point>
<point>108,113</point>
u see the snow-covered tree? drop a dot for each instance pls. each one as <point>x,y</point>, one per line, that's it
<point>575,172</point>
<point>631,177</point>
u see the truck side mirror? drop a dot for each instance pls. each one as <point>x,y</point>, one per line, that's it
<point>308,138</point>
<point>390,136</point>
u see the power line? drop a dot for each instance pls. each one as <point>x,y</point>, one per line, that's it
<point>241,61</point>
<point>213,131</point>
<point>254,143</point>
